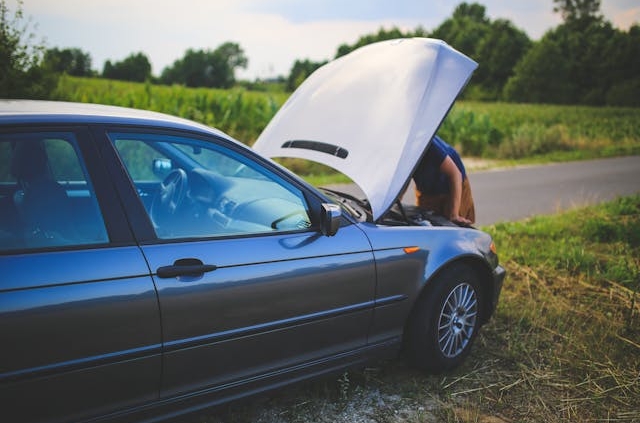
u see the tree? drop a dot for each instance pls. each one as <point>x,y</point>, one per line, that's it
<point>71,61</point>
<point>624,73</point>
<point>381,35</point>
<point>497,52</point>
<point>136,67</point>
<point>206,68</point>
<point>585,60</point>
<point>21,71</point>
<point>232,55</point>
<point>303,68</point>
<point>465,28</point>
<point>496,46</point>
<point>227,58</point>
<point>573,11</point>
<point>300,71</point>
<point>542,76</point>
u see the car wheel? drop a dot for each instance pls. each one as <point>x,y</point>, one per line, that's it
<point>445,321</point>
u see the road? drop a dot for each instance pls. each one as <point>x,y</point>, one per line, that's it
<point>514,194</point>
<point>517,193</point>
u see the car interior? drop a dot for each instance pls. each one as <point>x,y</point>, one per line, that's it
<point>37,209</point>
<point>194,191</point>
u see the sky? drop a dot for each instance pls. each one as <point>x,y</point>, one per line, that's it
<point>272,33</point>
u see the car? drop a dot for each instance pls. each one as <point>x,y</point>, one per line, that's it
<point>152,266</point>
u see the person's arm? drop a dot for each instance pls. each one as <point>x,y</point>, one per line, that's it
<point>449,168</point>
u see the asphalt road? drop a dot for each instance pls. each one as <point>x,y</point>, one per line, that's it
<point>514,194</point>
<point>517,193</point>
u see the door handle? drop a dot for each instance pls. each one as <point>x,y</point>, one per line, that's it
<point>185,267</point>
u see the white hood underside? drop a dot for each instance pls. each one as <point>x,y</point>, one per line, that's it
<point>371,114</point>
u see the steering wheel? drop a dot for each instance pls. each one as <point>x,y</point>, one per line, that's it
<point>173,191</point>
<point>302,213</point>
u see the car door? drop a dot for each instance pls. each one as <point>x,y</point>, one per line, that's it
<point>79,320</point>
<point>247,284</point>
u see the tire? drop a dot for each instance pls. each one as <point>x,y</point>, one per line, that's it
<point>445,320</point>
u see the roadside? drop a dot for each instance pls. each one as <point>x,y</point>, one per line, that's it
<point>518,192</point>
<point>475,164</point>
<point>512,194</point>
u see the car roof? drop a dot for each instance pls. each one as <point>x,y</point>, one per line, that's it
<point>60,112</point>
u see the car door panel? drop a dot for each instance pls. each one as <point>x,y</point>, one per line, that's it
<point>93,316</point>
<point>239,261</point>
<point>251,357</point>
<point>273,301</point>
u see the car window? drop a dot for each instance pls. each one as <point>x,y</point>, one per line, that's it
<point>46,198</point>
<point>192,188</point>
<point>138,158</point>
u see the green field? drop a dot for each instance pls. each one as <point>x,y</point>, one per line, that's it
<point>542,132</point>
<point>238,112</point>
<point>500,131</point>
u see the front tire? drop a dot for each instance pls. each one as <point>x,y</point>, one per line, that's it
<point>445,321</point>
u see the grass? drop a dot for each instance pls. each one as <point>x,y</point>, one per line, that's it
<point>569,321</point>
<point>563,346</point>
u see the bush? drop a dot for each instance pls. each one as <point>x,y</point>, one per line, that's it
<point>534,139</point>
<point>472,133</point>
<point>625,94</point>
<point>22,74</point>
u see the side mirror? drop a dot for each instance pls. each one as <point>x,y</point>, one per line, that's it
<point>330,218</point>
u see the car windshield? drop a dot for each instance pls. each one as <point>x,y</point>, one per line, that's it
<point>223,164</point>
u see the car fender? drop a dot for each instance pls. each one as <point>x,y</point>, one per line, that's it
<point>409,258</point>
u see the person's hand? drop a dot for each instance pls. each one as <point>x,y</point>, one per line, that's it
<point>459,220</point>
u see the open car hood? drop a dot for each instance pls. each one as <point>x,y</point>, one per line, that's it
<point>371,114</point>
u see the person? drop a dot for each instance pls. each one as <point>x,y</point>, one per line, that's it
<point>442,184</point>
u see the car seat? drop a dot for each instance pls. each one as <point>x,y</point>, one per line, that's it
<point>42,203</point>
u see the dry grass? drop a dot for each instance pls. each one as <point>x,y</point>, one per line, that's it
<point>568,351</point>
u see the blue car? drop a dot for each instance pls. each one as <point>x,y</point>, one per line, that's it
<point>152,266</point>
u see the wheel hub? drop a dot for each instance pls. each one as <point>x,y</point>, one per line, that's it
<point>457,320</point>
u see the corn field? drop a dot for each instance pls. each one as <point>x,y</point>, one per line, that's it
<point>492,130</point>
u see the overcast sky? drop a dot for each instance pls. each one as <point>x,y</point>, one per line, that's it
<point>272,33</point>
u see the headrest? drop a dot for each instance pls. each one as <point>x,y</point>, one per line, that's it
<point>29,160</point>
